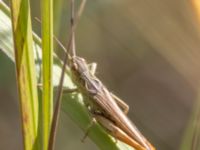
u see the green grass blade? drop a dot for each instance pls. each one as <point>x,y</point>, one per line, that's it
<point>47,61</point>
<point>192,134</point>
<point>25,71</point>
<point>72,103</point>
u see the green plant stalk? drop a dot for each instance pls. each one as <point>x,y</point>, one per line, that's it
<point>25,71</point>
<point>47,63</point>
<point>72,103</point>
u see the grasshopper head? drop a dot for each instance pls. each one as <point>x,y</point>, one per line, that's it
<point>79,65</point>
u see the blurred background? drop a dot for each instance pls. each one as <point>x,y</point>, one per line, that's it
<point>147,54</point>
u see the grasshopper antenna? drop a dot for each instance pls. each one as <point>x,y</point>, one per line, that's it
<point>70,44</point>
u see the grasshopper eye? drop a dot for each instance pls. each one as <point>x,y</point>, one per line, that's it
<point>82,60</point>
<point>74,65</point>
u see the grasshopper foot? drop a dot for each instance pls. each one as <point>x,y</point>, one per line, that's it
<point>88,129</point>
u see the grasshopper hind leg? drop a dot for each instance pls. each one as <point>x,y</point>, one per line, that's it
<point>124,107</point>
<point>117,132</point>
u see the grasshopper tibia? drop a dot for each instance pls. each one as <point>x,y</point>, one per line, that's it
<point>121,103</point>
<point>65,90</point>
<point>88,129</point>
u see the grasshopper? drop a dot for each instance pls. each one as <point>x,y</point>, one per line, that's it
<point>106,108</point>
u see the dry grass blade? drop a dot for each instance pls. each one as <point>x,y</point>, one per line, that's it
<point>60,88</point>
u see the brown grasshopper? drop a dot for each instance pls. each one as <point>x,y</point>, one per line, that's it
<point>106,108</point>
